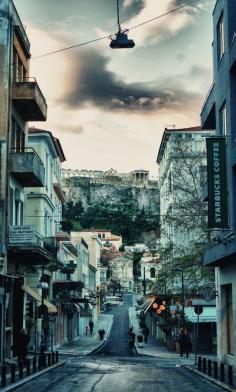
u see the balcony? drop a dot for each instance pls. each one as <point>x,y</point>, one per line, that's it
<point>208,120</point>
<point>27,167</point>
<point>222,253</point>
<point>69,268</point>
<point>27,247</point>
<point>59,192</point>
<point>29,100</point>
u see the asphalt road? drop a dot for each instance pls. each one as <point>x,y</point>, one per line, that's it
<point>114,369</point>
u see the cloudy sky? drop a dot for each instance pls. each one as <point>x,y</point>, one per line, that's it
<point>109,107</point>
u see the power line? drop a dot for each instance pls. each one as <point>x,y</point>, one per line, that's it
<point>108,36</point>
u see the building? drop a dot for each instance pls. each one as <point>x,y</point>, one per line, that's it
<point>43,214</point>
<point>109,240</point>
<point>219,112</point>
<point>121,274</point>
<point>94,246</point>
<point>149,271</point>
<point>21,100</point>
<point>182,164</point>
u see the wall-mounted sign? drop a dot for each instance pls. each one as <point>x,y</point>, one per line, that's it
<point>22,234</point>
<point>217,184</point>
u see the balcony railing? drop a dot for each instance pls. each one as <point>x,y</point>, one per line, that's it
<point>27,167</point>
<point>27,247</point>
<point>29,100</point>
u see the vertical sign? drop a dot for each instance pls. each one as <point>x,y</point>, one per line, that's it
<point>217,185</point>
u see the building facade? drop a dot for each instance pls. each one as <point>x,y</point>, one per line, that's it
<point>219,112</point>
<point>21,100</point>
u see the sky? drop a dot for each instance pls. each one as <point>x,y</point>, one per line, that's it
<point>109,107</point>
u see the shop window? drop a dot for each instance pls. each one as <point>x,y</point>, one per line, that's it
<point>229,319</point>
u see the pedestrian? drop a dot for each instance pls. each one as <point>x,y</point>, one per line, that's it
<point>131,340</point>
<point>20,347</point>
<point>101,333</point>
<point>86,330</point>
<point>145,332</point>
<point>185,343</point>
<point>130,331</point>
<point>91,325</point>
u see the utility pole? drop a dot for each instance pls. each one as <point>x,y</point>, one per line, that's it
<point>144,281</point>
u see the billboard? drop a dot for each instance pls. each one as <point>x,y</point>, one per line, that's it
<point>217,183</point>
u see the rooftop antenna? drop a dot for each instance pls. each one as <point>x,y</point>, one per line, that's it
<point>121,41</point>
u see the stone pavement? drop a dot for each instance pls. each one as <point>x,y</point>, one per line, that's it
<point>87,344</point>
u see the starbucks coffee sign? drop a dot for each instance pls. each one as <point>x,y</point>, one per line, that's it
<point>217,185</point>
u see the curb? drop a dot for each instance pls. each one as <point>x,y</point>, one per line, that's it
<point>104,341</point>
<point>211,379</point>
<point>24,381</point>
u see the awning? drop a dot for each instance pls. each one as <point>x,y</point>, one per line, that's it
<point>76,306</point>
<point>51,308</point>
<point>85,313</point>
<point>147,304</point>
<point>208,315</point>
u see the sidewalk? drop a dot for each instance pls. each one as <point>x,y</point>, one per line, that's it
<point>87,344</point>
<point>158,350</point>
<point>155,348</point>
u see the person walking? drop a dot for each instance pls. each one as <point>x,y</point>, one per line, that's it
<point>101,333</point>
<point>131,340</point>
<point>91,325</point>
<point>185,343</point>
<point>20,348</point>
<point>145,332</point>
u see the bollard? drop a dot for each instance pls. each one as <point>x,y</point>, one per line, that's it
<point>20,370</point>
<point>204,365</point>
<point>222,372</point>
<point>57,356</point>
<point>28,367</point>
<point>49,359</point>
<point>13,373</point>
<point>39,362</point>
<point>3,376</point>
<point>230,375</point>
<point>199,363</point>
<point>215,369</point>
<point>44,361</point>
<point>53,358</point>
<point>34,365</point>
<point>209,367</point>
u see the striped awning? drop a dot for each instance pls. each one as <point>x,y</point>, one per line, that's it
<point>51,308</point>
<point>147,304</point>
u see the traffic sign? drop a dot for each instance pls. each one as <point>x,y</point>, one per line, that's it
<point>198,309</point>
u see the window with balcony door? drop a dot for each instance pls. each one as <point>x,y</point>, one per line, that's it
<point>17,137</point>
<point>220,38</point>
<point>19,71</point>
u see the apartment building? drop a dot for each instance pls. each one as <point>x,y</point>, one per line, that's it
<point>21,100</point>
<point>219,112</point>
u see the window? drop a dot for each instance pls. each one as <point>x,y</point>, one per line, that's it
<point>220,38</point>
<point>152,272</point>
<point>229,319</point>
<point>223,119</point>
<point>17,137</point>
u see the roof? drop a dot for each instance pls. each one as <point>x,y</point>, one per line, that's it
<point>168,131</point>
<point>56,141</point>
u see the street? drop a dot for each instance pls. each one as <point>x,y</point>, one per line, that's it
<point>115,368</point>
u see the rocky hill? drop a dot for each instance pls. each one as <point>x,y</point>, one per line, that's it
<point>126,203</point>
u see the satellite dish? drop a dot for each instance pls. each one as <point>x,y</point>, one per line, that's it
<point>121,41</point>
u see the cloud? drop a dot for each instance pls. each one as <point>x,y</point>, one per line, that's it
<point>164,27</point>
<point>92,83</point>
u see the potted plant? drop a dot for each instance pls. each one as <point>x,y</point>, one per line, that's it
<point>140,341</point>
